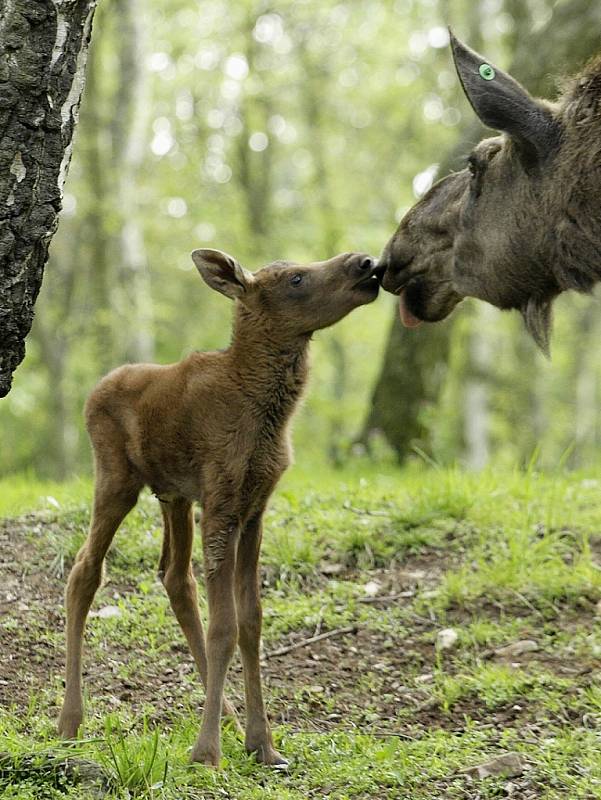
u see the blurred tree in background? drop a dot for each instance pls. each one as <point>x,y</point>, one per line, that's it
<point>295,130</point>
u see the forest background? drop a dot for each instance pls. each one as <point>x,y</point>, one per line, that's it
<point>297,130</point>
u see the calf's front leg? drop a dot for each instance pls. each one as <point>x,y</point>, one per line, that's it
<point>175,571</point>
<point>248,604</point>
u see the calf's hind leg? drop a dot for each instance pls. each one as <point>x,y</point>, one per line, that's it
<point>220,533</point>
<point>116,493</point>
<point>175,570</point>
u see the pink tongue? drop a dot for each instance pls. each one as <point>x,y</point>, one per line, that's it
<point>407,318</point>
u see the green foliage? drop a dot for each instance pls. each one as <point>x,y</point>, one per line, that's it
<point>24,492</point>
<point>254,131</point>
<point>269,133</point>
<point>290,132</point>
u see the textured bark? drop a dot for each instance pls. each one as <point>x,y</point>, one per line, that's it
<point>43,48</point>
<point>568,39</point>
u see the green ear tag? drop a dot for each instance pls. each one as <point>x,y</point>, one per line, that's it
<point>486,72</point>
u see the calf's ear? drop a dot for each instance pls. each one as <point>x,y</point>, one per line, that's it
<point>222,272</point>
<point>503,104</point>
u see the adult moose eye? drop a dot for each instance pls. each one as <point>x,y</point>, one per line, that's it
<point>296,280</point>
<point>476,169</point>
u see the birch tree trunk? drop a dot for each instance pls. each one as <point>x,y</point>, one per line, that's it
<point>43,50</point>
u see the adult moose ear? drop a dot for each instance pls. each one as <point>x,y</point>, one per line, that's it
<point>222,272</point>
<point>503,104</point>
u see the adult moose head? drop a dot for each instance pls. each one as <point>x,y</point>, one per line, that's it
<point>522,222</point>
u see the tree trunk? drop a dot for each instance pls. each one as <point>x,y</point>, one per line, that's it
<point>413,371</point>
<point>43,50</point>
<point>255,168</point>
<point>569,37</point>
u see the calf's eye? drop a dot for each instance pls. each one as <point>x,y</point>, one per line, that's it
<point>296,280</point>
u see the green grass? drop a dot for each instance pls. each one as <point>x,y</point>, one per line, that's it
<point>20,494</point>
<point>499,556</point>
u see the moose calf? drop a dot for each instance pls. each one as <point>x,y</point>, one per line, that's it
<point>212,428</point>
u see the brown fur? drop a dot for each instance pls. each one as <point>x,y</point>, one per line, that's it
<point>523,223</point>
<point>212,428</point>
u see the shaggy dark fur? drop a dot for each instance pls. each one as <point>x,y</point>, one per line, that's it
<point>522,223</point>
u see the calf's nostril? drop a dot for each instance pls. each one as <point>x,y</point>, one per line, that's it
<point>366,263</point>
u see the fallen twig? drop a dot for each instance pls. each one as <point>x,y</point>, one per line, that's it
<point>387,598</point>
<point>418,618</point>
<point>304,642</point>
<point>532,607</point>
<point>354,732</point>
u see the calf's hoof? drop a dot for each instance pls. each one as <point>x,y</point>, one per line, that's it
<point>68,724</point>
<point>268,755</point>
<point>209,756</point>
